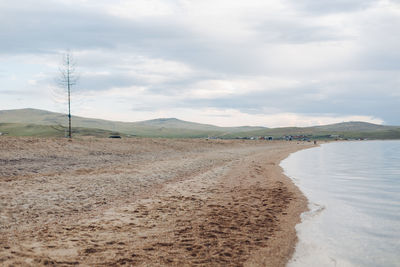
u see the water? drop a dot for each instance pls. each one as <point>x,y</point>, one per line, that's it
<point>354,194</point>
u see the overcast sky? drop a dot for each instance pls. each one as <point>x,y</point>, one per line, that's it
<point>224,62</point>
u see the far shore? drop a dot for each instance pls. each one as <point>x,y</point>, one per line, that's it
<point>147,202</point>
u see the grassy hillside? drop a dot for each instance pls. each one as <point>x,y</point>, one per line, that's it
<point>22,129</point>
<point>33,122</point>
<point>179,124</point>
<point>354,126</point>
<point>347,130</point>
<point>169,127</point>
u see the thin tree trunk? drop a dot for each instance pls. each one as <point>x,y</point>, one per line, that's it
<point>69,103</point>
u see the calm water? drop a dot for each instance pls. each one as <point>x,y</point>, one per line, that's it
<point>354,194</point>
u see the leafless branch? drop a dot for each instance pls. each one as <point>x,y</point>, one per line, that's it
<point>67,79</point>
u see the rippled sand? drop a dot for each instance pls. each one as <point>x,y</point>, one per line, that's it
<point>146,202</point>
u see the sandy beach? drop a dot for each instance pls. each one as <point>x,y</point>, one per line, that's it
<point>146,202</point>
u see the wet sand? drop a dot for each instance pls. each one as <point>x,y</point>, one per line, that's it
<point>146,202</point>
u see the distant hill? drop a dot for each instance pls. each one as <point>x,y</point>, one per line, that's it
<point>24,129</point>
<point>180,124</point>
<point>346,130</point>
<point>354,126</point>
<point>34,122</point>
<point>166,127</point>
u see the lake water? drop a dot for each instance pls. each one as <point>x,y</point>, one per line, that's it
<point>354,194</point>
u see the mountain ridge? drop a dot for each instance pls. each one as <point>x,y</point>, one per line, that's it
<point>48,117</point>
<point>173,127</point>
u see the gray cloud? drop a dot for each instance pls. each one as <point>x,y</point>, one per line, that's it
<point>17,93</point>
<point>327,6</point>
<point>287,30</point>
<point>353,98</point>
<point>51,27</point>
<point>105,82</point>
<point>297,47</point>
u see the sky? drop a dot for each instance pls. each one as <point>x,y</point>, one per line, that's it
<point>271,63</point>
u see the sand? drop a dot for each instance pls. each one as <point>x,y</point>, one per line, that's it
<point>146,202</point>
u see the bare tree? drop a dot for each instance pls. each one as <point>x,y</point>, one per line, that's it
<point>67,79</point>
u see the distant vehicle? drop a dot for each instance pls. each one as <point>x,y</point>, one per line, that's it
<point>114,136</point>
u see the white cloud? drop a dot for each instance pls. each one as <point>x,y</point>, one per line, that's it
<point>126,92</point>
<point>209,89</point>
<point>32,82</point>
<point>279,62</point>
<point>139,8</point>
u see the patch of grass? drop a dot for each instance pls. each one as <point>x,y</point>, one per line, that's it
<point>22,129</point>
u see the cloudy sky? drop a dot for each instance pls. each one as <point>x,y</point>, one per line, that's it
<point>225,62</point>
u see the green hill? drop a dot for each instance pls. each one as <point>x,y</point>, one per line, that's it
<point>345,130</point>
<point>354,126</point>
<point>34,122</point>
<point>180,124</point>
<point>170,127</point>
<point>23,129</point>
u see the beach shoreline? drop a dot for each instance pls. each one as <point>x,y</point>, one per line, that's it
<point>147,202</point>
